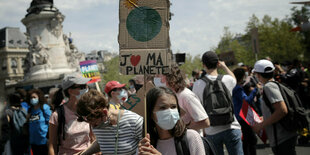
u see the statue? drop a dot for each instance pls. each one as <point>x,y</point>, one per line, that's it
<point>39,2</point>
<point>37,54</point>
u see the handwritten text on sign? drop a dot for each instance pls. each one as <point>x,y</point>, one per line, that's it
<point>144,62</point>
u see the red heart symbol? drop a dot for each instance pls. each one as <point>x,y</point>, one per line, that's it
<point>135,60</point>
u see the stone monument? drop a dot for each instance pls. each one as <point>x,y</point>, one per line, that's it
<point>50,55</point>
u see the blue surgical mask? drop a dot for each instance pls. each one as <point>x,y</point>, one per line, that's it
<point>158,83</point>
<point>166,119</point>
<point>83,91</point>
<point>123,96</point>
<point>34,101</point>
<point>131,86</point>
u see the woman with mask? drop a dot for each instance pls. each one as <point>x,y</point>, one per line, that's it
<point>117,131</point>
<point>117,94</point>
<point>164,125</point>
<point>66,134</point>
<point>38,117</point>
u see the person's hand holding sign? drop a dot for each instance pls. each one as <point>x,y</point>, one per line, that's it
<point>145,147</point>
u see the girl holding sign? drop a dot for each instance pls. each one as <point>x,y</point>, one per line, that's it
<point>164,125</point>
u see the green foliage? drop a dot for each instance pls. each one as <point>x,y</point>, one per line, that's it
<point>275,41</point>
<point>191,63</point>
<point>112,72</point>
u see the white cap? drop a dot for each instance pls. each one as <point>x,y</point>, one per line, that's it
<point>263,66</point>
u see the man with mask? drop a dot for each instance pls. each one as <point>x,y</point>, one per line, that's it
<point>66,134</point>
<point>117,93</point>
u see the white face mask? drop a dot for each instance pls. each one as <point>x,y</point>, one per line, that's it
<point>123,96</point>
<point>83,91</point>
<point>166,119</point>
<point>158,83</point>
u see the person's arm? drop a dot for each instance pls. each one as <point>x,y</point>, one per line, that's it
<point>280,110</point>
<point>199,125</point>
<point>251,97</point>
<point>52,142</point>
<point>222,65</point>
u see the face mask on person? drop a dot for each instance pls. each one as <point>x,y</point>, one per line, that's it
<point>34,101</point>
<point>131,86</point>
<point>83,91</point>
<point>123,96</point>
<point>166,119</point>
<point>158,83</point>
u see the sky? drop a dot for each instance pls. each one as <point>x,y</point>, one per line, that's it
<point>196,26</point>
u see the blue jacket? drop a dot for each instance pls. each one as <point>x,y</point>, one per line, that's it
<point>38,125</point>
<point>238,96</point>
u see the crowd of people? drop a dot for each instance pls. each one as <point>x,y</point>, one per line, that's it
<point>76,119</point>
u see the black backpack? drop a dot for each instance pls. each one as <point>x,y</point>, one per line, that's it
<point>181,146</point>
<point>217,102</point>
<point>296,119</point>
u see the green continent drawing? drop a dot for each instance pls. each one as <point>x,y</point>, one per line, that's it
<point>143,23</point>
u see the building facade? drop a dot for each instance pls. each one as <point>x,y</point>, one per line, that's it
<point>13,51</point>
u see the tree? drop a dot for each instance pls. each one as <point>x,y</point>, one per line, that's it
<point>298,16</point>
<point>112,72</point>
<point>275,41</point>
<point>191,64</point>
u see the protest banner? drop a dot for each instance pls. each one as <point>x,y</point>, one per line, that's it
<point>248,114</point>
<point>145,62</point>
<point>144,41</point>
<point>89,69</point>
<point>136,102</point>
<point>144,24</point>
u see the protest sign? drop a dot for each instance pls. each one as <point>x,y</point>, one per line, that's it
<point>248,114</point>
<point>89,69</point>
<point>144,24</point>
<point>136,102</point>
<point>142,61</point>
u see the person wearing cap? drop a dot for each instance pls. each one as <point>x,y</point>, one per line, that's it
<point>75,136</point>
<point>264,71</point>
<point>117,93</point>
<point>229,134</point>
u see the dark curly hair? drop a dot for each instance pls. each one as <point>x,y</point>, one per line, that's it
<point>42,99</point>
<point>90,105</point>
<point>175,79</point>
<point>151,98</point>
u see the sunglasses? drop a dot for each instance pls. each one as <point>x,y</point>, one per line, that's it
<point>79,86</point>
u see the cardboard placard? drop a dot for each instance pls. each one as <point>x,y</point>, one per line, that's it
<point>248,114</point>
<point>89,69</point>
<point>136,102</point>
<point>144,24</point>
<point>148,61</point>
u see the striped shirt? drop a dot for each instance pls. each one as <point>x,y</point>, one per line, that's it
<point>129,135</point>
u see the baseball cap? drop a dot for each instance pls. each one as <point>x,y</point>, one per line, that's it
<point>210,57</point>
<point>263,66</point>
<point>112,85</point>
<point>73,79</point>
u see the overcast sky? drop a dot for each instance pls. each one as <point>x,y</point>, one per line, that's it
<point>195,27</point>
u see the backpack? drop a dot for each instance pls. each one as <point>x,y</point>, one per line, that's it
<point>181,146</point>
<point>296,118</point>
<point>217,102</point>
<point>19,134</point>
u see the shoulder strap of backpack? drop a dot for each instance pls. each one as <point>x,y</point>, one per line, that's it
<point>219,77</point>
<point>181,145</point>
<point>207,81</point>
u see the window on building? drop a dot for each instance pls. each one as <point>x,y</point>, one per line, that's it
<point>13,63</point>
<point>3,67</point>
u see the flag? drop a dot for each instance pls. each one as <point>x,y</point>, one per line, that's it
<point>249,115</point>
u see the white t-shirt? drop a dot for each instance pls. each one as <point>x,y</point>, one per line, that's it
<point>198,89</point>
<point>195,144</point>
<point>191,104</point>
